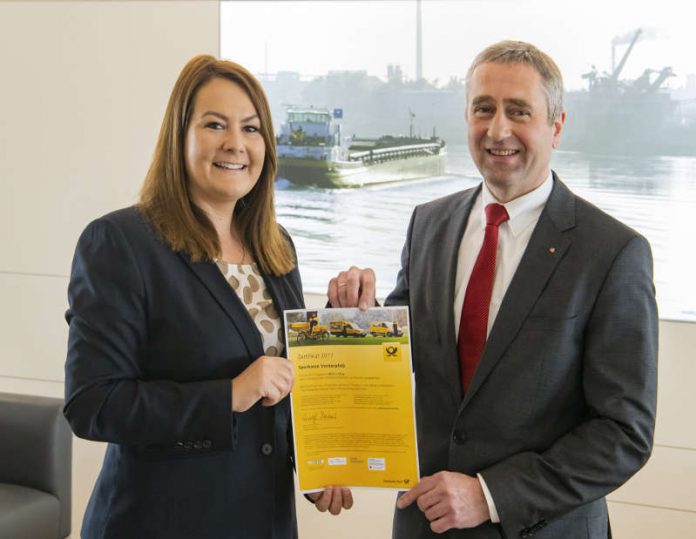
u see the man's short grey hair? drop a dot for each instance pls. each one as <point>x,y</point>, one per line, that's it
<point>507,52</point>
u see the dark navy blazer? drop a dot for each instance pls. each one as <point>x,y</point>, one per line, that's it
<point>154,341</point>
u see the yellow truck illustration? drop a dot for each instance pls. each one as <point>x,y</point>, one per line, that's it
<point>311,330</point>
<point>341,328</point>
<point>385,329</point>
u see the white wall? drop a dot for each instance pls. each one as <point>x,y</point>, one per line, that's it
<point>83,86</point>
<point>660,501</point>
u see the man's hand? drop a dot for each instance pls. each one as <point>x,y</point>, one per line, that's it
<point>353,288</point>
<point>448,500</point>
<point>333,498</point>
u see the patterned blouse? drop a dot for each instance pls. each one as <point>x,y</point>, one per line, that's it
<point>247,282</point>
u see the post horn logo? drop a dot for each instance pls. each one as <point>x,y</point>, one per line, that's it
<point>391,351</point>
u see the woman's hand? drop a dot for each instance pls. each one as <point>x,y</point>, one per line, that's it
<point>332,498</point>
<point>269,378</point>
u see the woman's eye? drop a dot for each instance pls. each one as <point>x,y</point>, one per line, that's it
<point>214,125</point>
<point>251,129</point>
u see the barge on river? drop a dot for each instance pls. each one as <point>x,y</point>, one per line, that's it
<point>313,152</point>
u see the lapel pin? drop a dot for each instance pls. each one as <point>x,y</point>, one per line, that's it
<point>552,250</point>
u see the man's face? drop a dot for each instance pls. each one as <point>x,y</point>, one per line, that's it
<point>510,138</point>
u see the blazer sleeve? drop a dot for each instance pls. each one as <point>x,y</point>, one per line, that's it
<point>619,377</point>
<point>401,293</point>
<point>107,398</point>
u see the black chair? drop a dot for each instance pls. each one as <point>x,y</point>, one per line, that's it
<point>35,468</point>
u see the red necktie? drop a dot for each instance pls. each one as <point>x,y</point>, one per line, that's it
<point>474,322</point>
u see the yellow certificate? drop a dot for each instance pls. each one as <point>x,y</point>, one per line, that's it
<point>352,402</point>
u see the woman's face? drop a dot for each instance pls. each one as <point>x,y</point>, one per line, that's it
<point>224,149</point>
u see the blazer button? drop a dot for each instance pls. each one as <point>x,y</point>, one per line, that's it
<point>266,449</point>
<point>539,525</point>
<point>459,436</point>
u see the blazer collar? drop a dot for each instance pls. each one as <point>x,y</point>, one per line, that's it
<point>285,292</point>
<point>452,232</point>
<point>213,279</point>
<point>546,248</point>
<point>449,228</point>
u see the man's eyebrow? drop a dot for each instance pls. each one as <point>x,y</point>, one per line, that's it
<point>518,102</point>
<point>480,99</point>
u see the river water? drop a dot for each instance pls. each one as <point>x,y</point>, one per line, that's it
<point>335,228</point>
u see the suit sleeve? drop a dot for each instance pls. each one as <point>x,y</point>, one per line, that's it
<point>619,378</point>
<point>107,397</point>
<point>401,295</point>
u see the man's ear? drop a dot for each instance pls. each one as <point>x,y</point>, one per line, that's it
<point>557,128</point>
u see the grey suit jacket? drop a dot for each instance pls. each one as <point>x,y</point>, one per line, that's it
<point>561,409</point>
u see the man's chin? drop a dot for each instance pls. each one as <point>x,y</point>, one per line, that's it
<point>500,180</point>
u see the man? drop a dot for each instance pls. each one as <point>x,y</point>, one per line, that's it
<point>312,322</point>
<point>534,351</point>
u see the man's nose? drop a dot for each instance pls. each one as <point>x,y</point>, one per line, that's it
<point>499,128</point>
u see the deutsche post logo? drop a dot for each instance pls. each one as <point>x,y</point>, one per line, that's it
<point>391,351</point>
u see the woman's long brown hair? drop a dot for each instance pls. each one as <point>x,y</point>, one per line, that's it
<point>164,196</point>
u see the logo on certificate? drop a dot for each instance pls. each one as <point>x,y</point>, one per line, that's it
<point>376,464</point>
<point>391,351</point>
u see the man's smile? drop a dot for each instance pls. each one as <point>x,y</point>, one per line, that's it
<point>501,152</point>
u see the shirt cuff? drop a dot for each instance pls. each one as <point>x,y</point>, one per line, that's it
<point>495,519</point>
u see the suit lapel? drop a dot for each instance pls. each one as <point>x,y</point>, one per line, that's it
<point>284,296</point>
<point>213,279</point>
<point>546,248</point>
<point>444,270</point>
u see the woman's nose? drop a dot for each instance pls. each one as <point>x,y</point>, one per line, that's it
<point>233,141</point>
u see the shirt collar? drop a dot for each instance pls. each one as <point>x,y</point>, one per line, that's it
<point>523,210</point>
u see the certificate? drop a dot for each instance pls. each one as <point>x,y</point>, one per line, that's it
<point>352,402</point>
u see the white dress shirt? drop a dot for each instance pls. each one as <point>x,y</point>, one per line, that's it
<point>513,237</point>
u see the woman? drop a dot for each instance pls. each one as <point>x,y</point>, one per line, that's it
<point>175,335</point>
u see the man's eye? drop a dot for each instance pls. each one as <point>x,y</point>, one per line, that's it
<point>482,110</point>
<point>519,112</point>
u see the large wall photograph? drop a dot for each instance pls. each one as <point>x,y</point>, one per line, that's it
<point>368,100</point>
